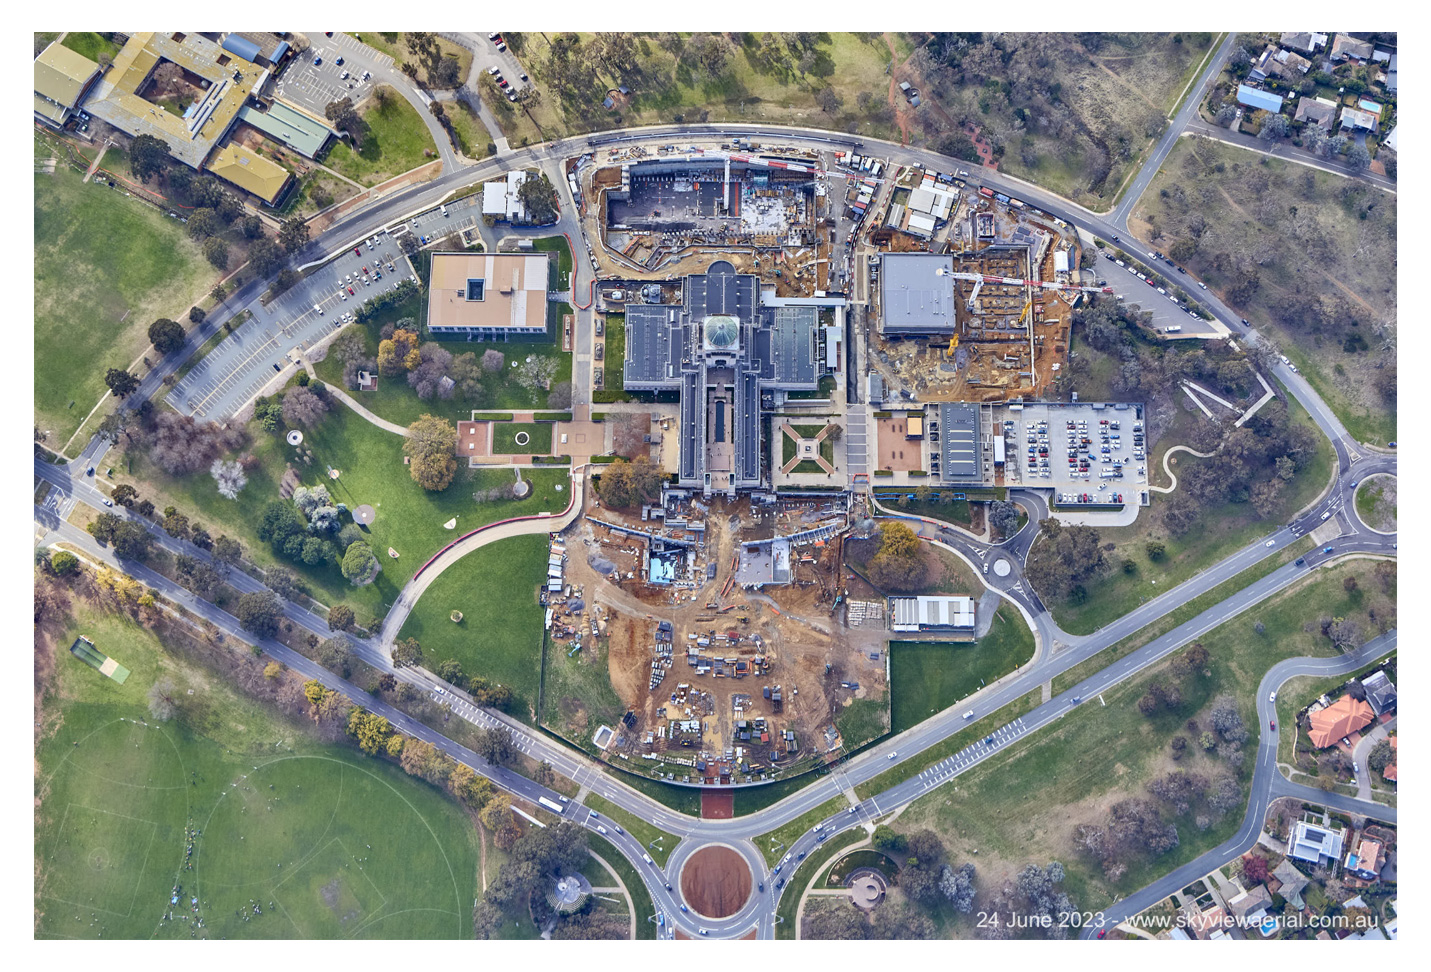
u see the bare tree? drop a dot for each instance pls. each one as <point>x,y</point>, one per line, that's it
<point>163,699</point>
<point>229,475</point>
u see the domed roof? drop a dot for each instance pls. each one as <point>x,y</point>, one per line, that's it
<point>722,331</point>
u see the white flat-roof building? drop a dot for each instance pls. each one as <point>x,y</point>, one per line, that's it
<point>925,613</point>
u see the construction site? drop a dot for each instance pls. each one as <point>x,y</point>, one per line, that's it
<point>665,217</point>
<point>723,628</point>
<point>980,312</point>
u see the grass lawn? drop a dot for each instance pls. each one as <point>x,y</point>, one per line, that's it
<point>577,695</point>
<point>1223,529</point>
<point>613,365</point>
<point>397,141</point>
<point>394,44</point>
<point>538,438</point>
<point>954,511</point>
<point>560,278</point>
<point>409,518</point>
<point>1022,805</point>
<point>1376,502</point>
<point>862,721</point>
<point>95,298</point>
<point>500,636</point>
<point>647,833</point>
<point>114,796</point>
<point>472,136</point>
<point>809,868</point>
<point>640,897</point>
<point>89,44</point>
<point>775,844</point>
<point>1326,263</point>
<point>927,677</point>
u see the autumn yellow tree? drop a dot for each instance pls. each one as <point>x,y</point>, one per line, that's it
<point>431,447</point>
<point>473,790</point>
<point>370,730</point>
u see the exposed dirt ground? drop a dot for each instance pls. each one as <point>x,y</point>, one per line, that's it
<point>716,882</point>
<point>807,650</point>
<point>717,804</point>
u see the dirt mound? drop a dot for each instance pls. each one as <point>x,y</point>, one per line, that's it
<point>715,882</point>
<point>719,805</point>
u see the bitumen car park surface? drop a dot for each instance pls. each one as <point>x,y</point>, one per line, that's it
<point>313,86</point>
<point>1044,429</point>
<point>236,371</point>
<point>1125,282</point>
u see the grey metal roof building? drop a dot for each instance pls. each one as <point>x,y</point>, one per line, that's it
<point>959,442</point>
<point>721,350</point>
<point>916,293</point>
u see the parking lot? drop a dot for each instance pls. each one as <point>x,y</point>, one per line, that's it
<point>1091,451</point>
<point>312,86</point>
<point>1166,312</point>
<point>237,370</point>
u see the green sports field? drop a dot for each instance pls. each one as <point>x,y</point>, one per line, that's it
<point>106,265</point>
<point>234,806</point>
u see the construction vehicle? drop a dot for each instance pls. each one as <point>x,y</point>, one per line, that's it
<point>953,345</point>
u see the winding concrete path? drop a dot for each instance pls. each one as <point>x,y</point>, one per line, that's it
<point>1363,749</point>
<point>352,403</point>
<point>477,539</point>
<point>1167,469</point>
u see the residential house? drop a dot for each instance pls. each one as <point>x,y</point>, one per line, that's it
<point>1257,98</point>
<point>1290,883</point>
<point>1390,81</point>
<point>1250,907</point>
<point>1307,43</point>
<point>1209,925</point>
<point>1337,721</point>
<point>1347,46</point>
<point>1364,861</point>
<point>1316,111</point>
<point>1390,771</point>
<point>1390,140</point>
<point>1358,120</point>
<point>1315,843</point>
<point>1380,692</point>
<point>1289,65</point>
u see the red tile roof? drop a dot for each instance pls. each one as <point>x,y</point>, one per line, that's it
<point>1343,717</point>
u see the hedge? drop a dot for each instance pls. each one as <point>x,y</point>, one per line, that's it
<point>551,416</point>
<point>918,472</point>
<point>492,416</point>
<point>551,460</point>
<point>604,459</point>
<point>598,416</point>
<point>884,472</point>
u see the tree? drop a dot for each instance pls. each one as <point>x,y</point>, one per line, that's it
<point>625,484</point>
<point>447,74</point>
<point>493,360</point>
<point>265,257</point>
<point>1226,721</point>
<point>470,788</point>
<point>1381,756</point>
<point>203,223</point>
<point>216,251</point>
<point>495,745</point>
<point>1226,115</point>
<point>346,118</point>
<point>544,775</point>
<point>229,476</point>
<point>360,564</point>
<point>539,199</point>
<point>406,651</point>
<point>293,234</point>
<point>399,353</point>
<point>148,156</point>
<point>340,618</point>
<point>167,336</point>
<point>1004,517</point>
<point>176,524</point>
<point>431,446</point>
<point>132,541</point>
<point>1064,558</point>
<point>163,699</point>
<point>497,813</point>
<point>1254,869</point>
<point>259,612</point>
<point>560,395</point>
<point>886,840</point>
<point>124,494</point>
<point>370,730</point>
<point>335,654</point>
<point>64,563</point>
<point>180,445</point>
<point>227,550</point>
<point>1274,128</point>
<point>302,407</point>
<point>958,887</point>
<point>120,382</point>
<point>450,671</point>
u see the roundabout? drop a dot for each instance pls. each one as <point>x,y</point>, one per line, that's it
<point>716,881</point>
